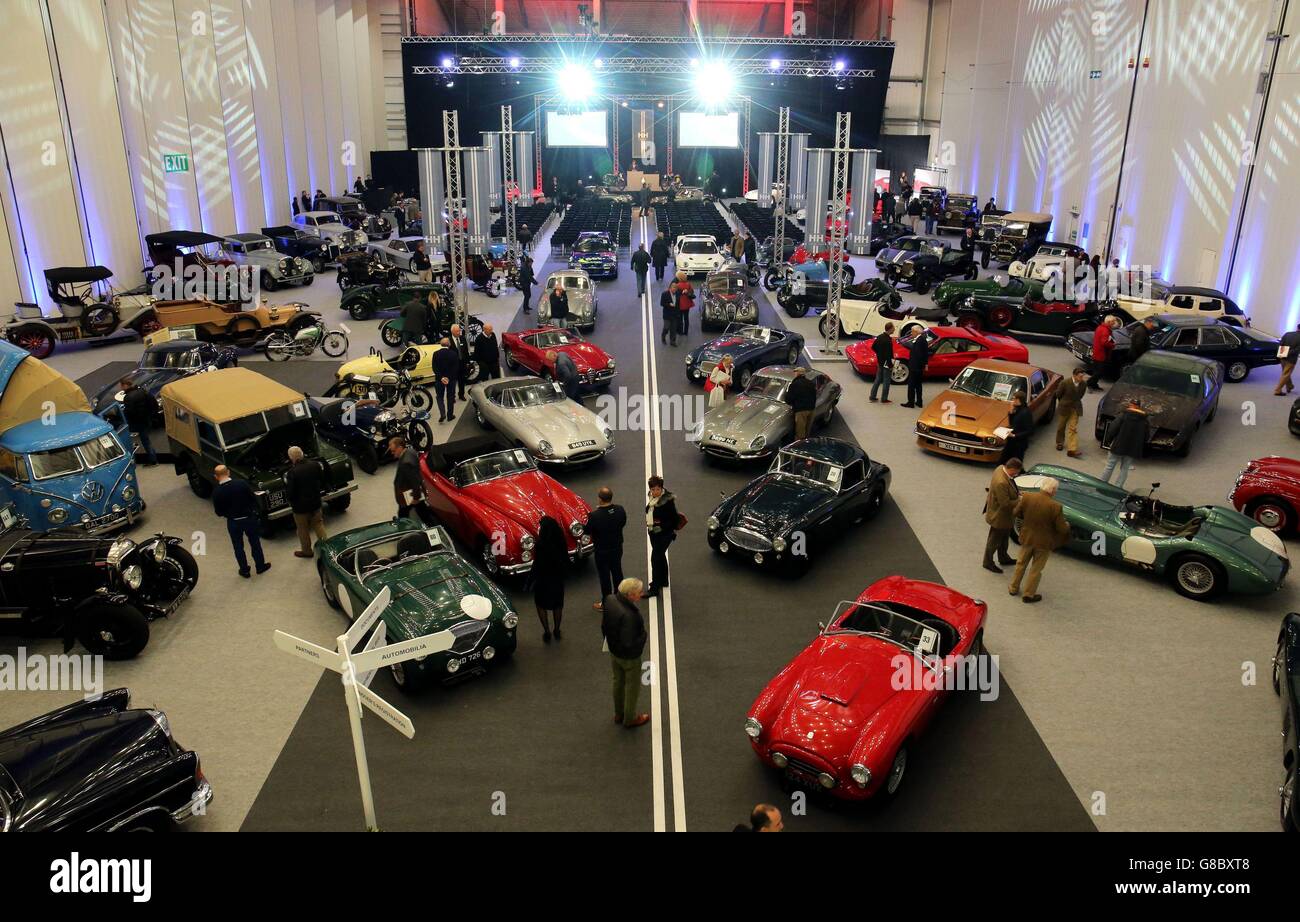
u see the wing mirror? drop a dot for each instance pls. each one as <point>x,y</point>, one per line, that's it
<point>821,627</point>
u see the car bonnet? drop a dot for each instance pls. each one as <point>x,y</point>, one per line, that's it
<point>747,415</point>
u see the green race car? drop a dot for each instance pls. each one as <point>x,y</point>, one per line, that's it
<point>428,581</point>
<point>951,295</point>
<point>1202,550</point>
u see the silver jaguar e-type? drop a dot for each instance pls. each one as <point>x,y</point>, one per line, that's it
<point>757,422</point>
<point>582,297</point>
<point>536,414</point>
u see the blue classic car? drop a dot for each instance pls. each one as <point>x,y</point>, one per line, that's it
<point>362,428</point>
<point>595,253</point>
<point>750,348</point>
<point>163,363</point>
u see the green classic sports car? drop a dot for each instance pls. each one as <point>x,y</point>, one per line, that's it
<point>951,295</point>
<point>1202,550</point>
<point>428,581</point>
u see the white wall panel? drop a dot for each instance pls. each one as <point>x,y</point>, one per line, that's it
<point>239,116</point>
<point>288,84</point>
<point>331,94</point>
<point>307,35</point>
<point>207,128</point>
<point>260,64</point>
<point>355,149</point>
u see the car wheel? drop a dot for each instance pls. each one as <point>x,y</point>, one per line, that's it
<point>830,412</point>
<point>849,275</point>
<point>37,340</point>
<point>391,335</point>
<point>361,309</point>
<point>899,373</point>
<point>1237,371</point>
<point>921,283</point>
<point>326,589</point>
<point>1277,667</point>
<point>742,378</point>
<point>1000,317</point>
<point>1287,801</point>
<point>824,326</point>
<point>1183,450</point>
<point>482,420</point>
<point>268,282</point>
<point>340,505</point>
<point>875,502</point>
<point>510,361</point>
<point>1273,513</point>
<point>200,487</point>
<point>792,355</point>
<point>113,630</point>
<point>1197,576</point>
<point>894,780</point>
<point>419,436</point>
<point>407,677</point>
<point>368,459</point>
<point>318,265</point>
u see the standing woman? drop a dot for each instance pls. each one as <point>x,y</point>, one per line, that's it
<point>550,560</point>
<point>559,305</point>
<point>661,523</point>
<point>719,381</point>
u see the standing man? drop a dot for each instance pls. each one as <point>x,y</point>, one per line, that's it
<point>1021,424</point>
<point>526,280</point>
<point>1069,408</point>
<point>487,352</point>
<point>605,524</point>
<point>420,263</point>
<point>1042,530</point>
<point>415,318</point>
<point>525,238</point>
<point>408,485</point>
<point>918,355</point>
<point>668,309</point>
<point>645,199</point>
<point>1126,436</point>
<point>968,244</point>
<point>293,203</point>
<point>306,200</point>
<point>802,397</point>
<point>887,206</point>
<point>1139,341</point>
<point>640,268</point>
<point>914,215</point>
<point>659,255</point>
<point>1288,351</point>
<point>751,249</point>
<point>565,372</point>
<point>737,245</point>
<point>685,297</point>
<point>446,370</point>
<point>235,502</point>
<point>304,482</point>
<point>139,409</point>
<point>559,301</point>
<point>998,512</point>
<point>458,342</point>
<point>1103,345</point>
<point>661,523</point>
<point>883,347</point>
<point>625,634</point>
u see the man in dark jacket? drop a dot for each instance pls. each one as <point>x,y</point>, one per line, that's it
<point>644,198</point>
<point>565,372</point>
<point>460,343</point>
<point>968,242</point>
<point>487,353</point>
<point>751,249</point>
<point>304,483</point>
<point>139,409</point>
<point>640,268</point>
<point>661,523</point>
<point>525,237</point>
<point>1069,409</point>
<point>1021,424</point>
<point>918,355</point>
<point>1288,350</point>
<point>408,484</point>
<point>446,371</point>
<point>526,280</point>
<point>668,308</point>
<point>293,203</point>
<point>306,200</point>
<point>415,318</point>
<point>914,210</point>
<point>420,263</point>
<point>1126,436</point>
<point>624,630</point>
<point>605,525</point>
<point>802,397</point>
<point>559,302</point>
<point>1139,341</point>
<point>659,255</point>
<point>883,347</point>
<point>235,502</point>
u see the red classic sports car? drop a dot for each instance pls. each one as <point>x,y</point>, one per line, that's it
<point>527,350</point>
<point>1268,491</point>
<point>951,350</point>
<point>493,502</point>
<point>842,714</point>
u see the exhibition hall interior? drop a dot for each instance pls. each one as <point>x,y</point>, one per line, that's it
<point>483,415</point>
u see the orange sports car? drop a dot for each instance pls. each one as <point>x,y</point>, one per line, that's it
<point>969,419</point>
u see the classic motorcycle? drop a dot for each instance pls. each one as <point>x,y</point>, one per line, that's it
<point>280,346</point>
<point>388,388</point>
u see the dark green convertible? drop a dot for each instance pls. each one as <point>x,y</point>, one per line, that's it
<point>364,301</point>
<point>429,583</point>
<point>950,295</point>
<point>1203,550</point>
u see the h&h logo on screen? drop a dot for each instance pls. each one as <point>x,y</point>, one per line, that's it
<point>103,875</point>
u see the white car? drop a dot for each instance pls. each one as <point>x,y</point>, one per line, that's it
<point>697,254</point>
<point>1042,265</point>
<point>326,225</point>
<point>876,304</point>
<point>537,415</point>
<point>396,251</point>
<point>1181,300</point>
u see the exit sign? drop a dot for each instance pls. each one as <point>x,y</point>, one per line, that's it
<point>176,163</point>
<point>1094,75</point>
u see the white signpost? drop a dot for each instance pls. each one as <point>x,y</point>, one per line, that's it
<point>357,669</point>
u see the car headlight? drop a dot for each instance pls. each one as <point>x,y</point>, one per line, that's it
<point>575,528</point>
<point>758,443</point>
<point>527,542</point>
<point>163,723</point>
<point>689,360</point>
<point>826,780</point>
<point>453,666</point>
<point>133,576</point>
<point>713,523</point>
<point>922,427</point>
<point>58,515</point>
<point>609,364</point>
<point>779,760</point>
<point>970,301</point>
<point>525,555</point>
<point>128,493</point>
<point>544,447</point>
<point>860,774</point>
<point>284,265</point>
<point>159,551</point>
<point>753,729</point>
<point>778,544</point>
<point>510,621</point>
<point>992,440</point>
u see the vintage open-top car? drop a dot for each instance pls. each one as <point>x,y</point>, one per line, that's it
<point>98,766</point>
<point>595,254</point>
<point>364,301</point>
<point>1286,684</point>
<point>1031,315</point>
<point>920,262</point>
<point>758,421</point>
<point>88,309</point>
<point>969,419</point>
<point>247,422</point>
<point>535,413</point>
<point>1238,349</point>
<point>578,287</point>
<point>274,268</point>
<point>951,350</point>
<point>428,581</point>
<point>1204,551</point>
<point>750,348</point>
<point>352,213</point>
<point>228,322</point>
<point>814,490</point>
<point>867,307</point>
<point>161,364</point>
<point>492,498</point>
<point>365,268</point>
<point>1178,393</point>
<point>726,298</point>
<point>949,296</point>
<point>99,590</point>
<point>527,350</point>
<point>837,719</point>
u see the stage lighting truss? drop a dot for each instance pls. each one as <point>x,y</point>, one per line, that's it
<point>539,39</point>
<point>735,68</point>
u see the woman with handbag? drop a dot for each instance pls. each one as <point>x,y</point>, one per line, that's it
<point>550,561</point>
<point>718,382</point>
<point>662,522</point>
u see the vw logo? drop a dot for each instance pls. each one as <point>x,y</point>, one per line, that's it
<point>92,491</point>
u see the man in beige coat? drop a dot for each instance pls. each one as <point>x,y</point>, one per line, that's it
<point>998,513</point>
<point>1042,530</point>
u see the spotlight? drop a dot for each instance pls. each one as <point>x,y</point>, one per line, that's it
<point>450,84</point>
<point>625,104</point>
<point>448,62</point>
<point>514,63</point>
<point>713,82</point>
<point>576,83</point>
<point>599,62</point>
<point>774,64</point>
<point>839,64</point>
<point>661,104</point>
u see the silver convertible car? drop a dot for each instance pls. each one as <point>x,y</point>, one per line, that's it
<point>534,414</point>
<point>582,297</point>
<point>757,422</point>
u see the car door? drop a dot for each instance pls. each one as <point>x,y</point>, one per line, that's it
<point>852,499</point>
<point>443,497</point>
<point>948,356</point>
<point>1218,343</point>
<point>529,355</point>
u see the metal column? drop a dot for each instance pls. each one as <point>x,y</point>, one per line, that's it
<point>509,184</point>
<point>456,213</point>
<point>839,215</point>
<point>744,183</point>
<point>782,182</point>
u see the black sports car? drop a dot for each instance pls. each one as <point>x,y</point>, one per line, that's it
<point>1238,349</point>
<point>294,241</point>
<point>1177,392</point>
<point>814,489</point>
<point>1286,682</point>
<point>595,254</point>
<point>1293,421</point>
<point>750,348</point>
<point>365,268</point>
<point>163,363</point>
<point>103,591</point>
<point>920,262</point>
<point>98,766</point>
<point>727,299</point>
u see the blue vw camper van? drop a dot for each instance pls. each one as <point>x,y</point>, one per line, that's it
<point>60,465</point>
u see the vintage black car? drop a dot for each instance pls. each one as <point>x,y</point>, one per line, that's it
<point>883,233</point>
<point>959,212</point>
<point>1237,349</point>
<point>365,268</point>
<point>1019,236</point>
<point>1003,310</point>
<point>352,213</point>
<point>920,262</point>
<point>161,364</point>
<point>102,591</point>
<point>727,299</point>
<point>1286,683</point>
<point>364,301</point>
<point>813,491</point>
<point>750,348</point>
<point>362,428</point>
<point>294,241</point>
<point>1179,393</point>
<point>190,264</point>
<point>98,766</point>
<point>987,229</point>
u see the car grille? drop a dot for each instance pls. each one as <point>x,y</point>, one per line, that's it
<point>1080,350</point>
<point>719,451</point>
<point>953,435</point>
<point>468,635</point>
<point>748,540</point>
<point>592,377</point>
<point>584,456</point>
<point>799,766</point>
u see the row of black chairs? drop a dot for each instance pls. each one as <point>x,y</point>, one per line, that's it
<point>534,216</point>
<point>676,219</point>
<point>760,222</point>
<point>599,215</point>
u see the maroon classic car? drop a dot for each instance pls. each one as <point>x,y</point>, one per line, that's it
<point>841,716</point>
<point>1268,491</point>
<point>494,500</point>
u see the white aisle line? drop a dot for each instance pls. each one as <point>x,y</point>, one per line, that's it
<point>656,716</point>
<point>666,596</point>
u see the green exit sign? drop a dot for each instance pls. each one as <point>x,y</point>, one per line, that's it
<point>176,163</point>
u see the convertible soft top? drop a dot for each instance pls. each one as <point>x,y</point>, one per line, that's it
<point>228,393</point>
<point>1029,217</point>
<point>283,230</point>
<point>447,455</point>
<point>28,386</point>
<point>65,275</point>
<point>180,238</point>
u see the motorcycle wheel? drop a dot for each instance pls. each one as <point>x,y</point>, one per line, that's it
<point>772,280</point>
<point>334,344</point>
<point>419,400</point>
<point>279,347</point>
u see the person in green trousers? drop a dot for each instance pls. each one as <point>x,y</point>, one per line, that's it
<point>625,634</point>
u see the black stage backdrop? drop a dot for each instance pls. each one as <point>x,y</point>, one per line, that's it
<point>813,103</point>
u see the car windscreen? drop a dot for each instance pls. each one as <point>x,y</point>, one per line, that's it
<point>960,201</point>
<point>58,462</point>
<point>174,358</point>
<point>767,386</point>
<point>897,624</point>
<point>100,450</point>
<point>576,282</point>
<point>593,245</point>
<point>1169,380</point>
<point>489,467</point>
<point>908,244</point>
<point>699,246</point>
<point>808,469</point>
<point>555,338</point>
<point>984,382</point>
<point>529,395</point>
<point>726,284</point>
<point>251,245</point>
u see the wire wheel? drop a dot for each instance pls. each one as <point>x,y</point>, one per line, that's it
<point>334,344</point>
<point>896,772</point>
<point>280,347</point>
<point>1195,577</point>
